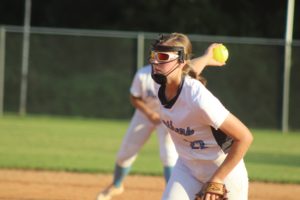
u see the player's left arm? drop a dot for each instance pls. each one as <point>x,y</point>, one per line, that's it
<point>206,59</point>
<point>242,138</point>
<point>139,104</point>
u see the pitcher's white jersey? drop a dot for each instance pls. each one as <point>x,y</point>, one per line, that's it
<point>193,119</point>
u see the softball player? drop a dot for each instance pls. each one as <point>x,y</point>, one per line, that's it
<point>146,118</point>
<point>210,141</point>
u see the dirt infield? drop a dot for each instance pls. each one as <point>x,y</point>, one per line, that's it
<point>40,185</point>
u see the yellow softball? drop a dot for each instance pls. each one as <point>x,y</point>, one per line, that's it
<point>220,53</point>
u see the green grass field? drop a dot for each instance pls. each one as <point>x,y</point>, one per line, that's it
<point>90,145</point>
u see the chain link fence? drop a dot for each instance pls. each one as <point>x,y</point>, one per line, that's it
<point>88,73</point>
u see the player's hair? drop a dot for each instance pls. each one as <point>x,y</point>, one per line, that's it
<point>199,77</point>
<point>179,39</point>
<point>202,80</point>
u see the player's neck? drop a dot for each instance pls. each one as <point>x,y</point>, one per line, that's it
<point>172,88</point>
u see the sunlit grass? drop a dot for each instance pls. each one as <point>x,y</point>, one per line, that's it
<point>91,145</point>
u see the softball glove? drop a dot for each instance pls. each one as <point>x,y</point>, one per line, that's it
<point>218,189</point>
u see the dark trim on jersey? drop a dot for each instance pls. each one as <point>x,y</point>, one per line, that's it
<point>223,140</point>
<point>162,96</point>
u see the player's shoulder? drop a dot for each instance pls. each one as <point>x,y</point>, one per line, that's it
<point>193,85</point>
<point>193,89</point>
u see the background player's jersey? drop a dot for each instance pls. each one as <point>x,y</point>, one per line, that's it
<point>193,120</point>
<point>143,87</point>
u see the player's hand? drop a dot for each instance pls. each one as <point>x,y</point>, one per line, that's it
<point>209,54</point>
<point>212,191</point>
<point>154,118</point>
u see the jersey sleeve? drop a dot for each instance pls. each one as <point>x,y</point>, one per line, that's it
<point>136,86</point>
<point>212,111</point>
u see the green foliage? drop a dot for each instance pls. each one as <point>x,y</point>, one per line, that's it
<point>91,77</point>
<point>71,75</point>
<point>250,88</point>
<point>90,145</point>
<point>210,17</point>
<point>294,90</point>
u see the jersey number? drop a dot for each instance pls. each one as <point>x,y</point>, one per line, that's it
<point>198,144</point>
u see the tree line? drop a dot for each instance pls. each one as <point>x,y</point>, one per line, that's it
<point>246,18</point>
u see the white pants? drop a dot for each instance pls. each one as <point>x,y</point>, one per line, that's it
<point>183,185</point>
<point>138,133</point>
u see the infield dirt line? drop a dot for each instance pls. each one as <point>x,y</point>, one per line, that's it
<point>45,185</point>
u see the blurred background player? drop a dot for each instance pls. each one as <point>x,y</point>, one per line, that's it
<point>145,120</point>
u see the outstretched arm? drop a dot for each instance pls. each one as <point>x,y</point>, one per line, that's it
<point>138,103</point>
<point>206,59</point>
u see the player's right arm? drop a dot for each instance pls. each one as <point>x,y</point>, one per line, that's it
<point>139,104</point>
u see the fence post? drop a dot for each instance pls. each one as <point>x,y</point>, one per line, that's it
<point>287,65</point>
<point>2,67</point>
<point>25,58</point>
<point>140,50</point>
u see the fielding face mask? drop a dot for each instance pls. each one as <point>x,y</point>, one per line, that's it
<point>164,54</point>
<point>159,78</point>
<point>162,78</point>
